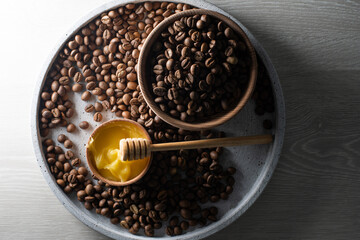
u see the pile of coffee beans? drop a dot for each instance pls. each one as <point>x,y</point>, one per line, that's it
<point>200,68</point>
<point>100,62</point>
<point>63,166</point>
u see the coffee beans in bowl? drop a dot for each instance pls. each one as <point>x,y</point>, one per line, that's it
<point>197,69</point>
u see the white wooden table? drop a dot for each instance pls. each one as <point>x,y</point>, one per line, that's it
<point>314,193</point>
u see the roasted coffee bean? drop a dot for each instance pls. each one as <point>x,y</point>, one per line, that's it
<point>203,86</point>
<point>184,225</point>
<point>120,73</point>
<point>85,96</point>
<point>231,170</point>
<point>196,36</point>
<point>69,154</point>
<point>229,51</point>
<point>126,99</point>
<point>169,231</point>
<point>230,180</point>
<point>91,86</point>
<point>169,53</point>
<point>149,122</point>
<point>193,222</point>
<point>68,143</point>
<point>186,63</point>
<point>81,194</point>
<point>134,209</point>
<point>83,171</point>
<point>229,189</point>
<point>106,104</point>
<point>185,52</point>
<point>189,79</point>
<point>212,218</point>
<point>46,114</point>
<point>194,69</point>
<point>84,125</point>
<point>210,62</point>
<point>49,104</point>
<point>98,107</point>
<point>58,150</point>
<point>69,113</point>
<point>61,183</point>
<point>229,33</point>
<point>178,26</point>
<point>199,56</point>
<point>54,97</point>
<point>214,155</point>
<point>97,91</point>
<point>105,211</point>
<point>210,79</point>
<point>172,94</point>
<point>61,138</point>
<point>48,142</point>
<point>200,24</point>
<point>210,35</point>
<point>184,203</point>
<point>78,77</point>
<point>98,117</point>
<point>174,221</point>
<point>70,128</point>
<point>76,162</point>
<point>185,213</point>
<point>89,189</point>
<point>180,36</point>
<point>89,108</point>
<point>160,91</point>
<point>143,211</point>
<point>170,64</point>
<point>45,96</point>
<point>160,207</point>
<point>77,87</point>
<point>232,60</point>
<point>162,195</point>
<point>158,69</point>
<point>227,67</point>
<point>55,86</point>
<point>177,230</point>
<point>124,224</point>
<point>129,220</point>
<point>149,233</point>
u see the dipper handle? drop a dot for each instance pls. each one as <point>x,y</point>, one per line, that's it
<point>139,148</point>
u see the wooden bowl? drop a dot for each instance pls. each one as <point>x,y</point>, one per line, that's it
<point>89,157</point>
<point>145,81</point>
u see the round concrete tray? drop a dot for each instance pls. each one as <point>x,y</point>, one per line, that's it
<point>255,164</point>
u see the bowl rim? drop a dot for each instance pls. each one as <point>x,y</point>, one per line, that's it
<point>93,222</point>
<point>94,169</point>
<point>218,118</point>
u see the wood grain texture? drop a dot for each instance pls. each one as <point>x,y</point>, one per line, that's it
<point>314,192</point>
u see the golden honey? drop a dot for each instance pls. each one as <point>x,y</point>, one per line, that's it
<point>104,151</point>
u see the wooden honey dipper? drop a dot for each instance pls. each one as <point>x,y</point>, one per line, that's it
<point>139,148</point>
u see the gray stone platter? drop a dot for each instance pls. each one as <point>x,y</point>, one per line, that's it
<point>255,164</point>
